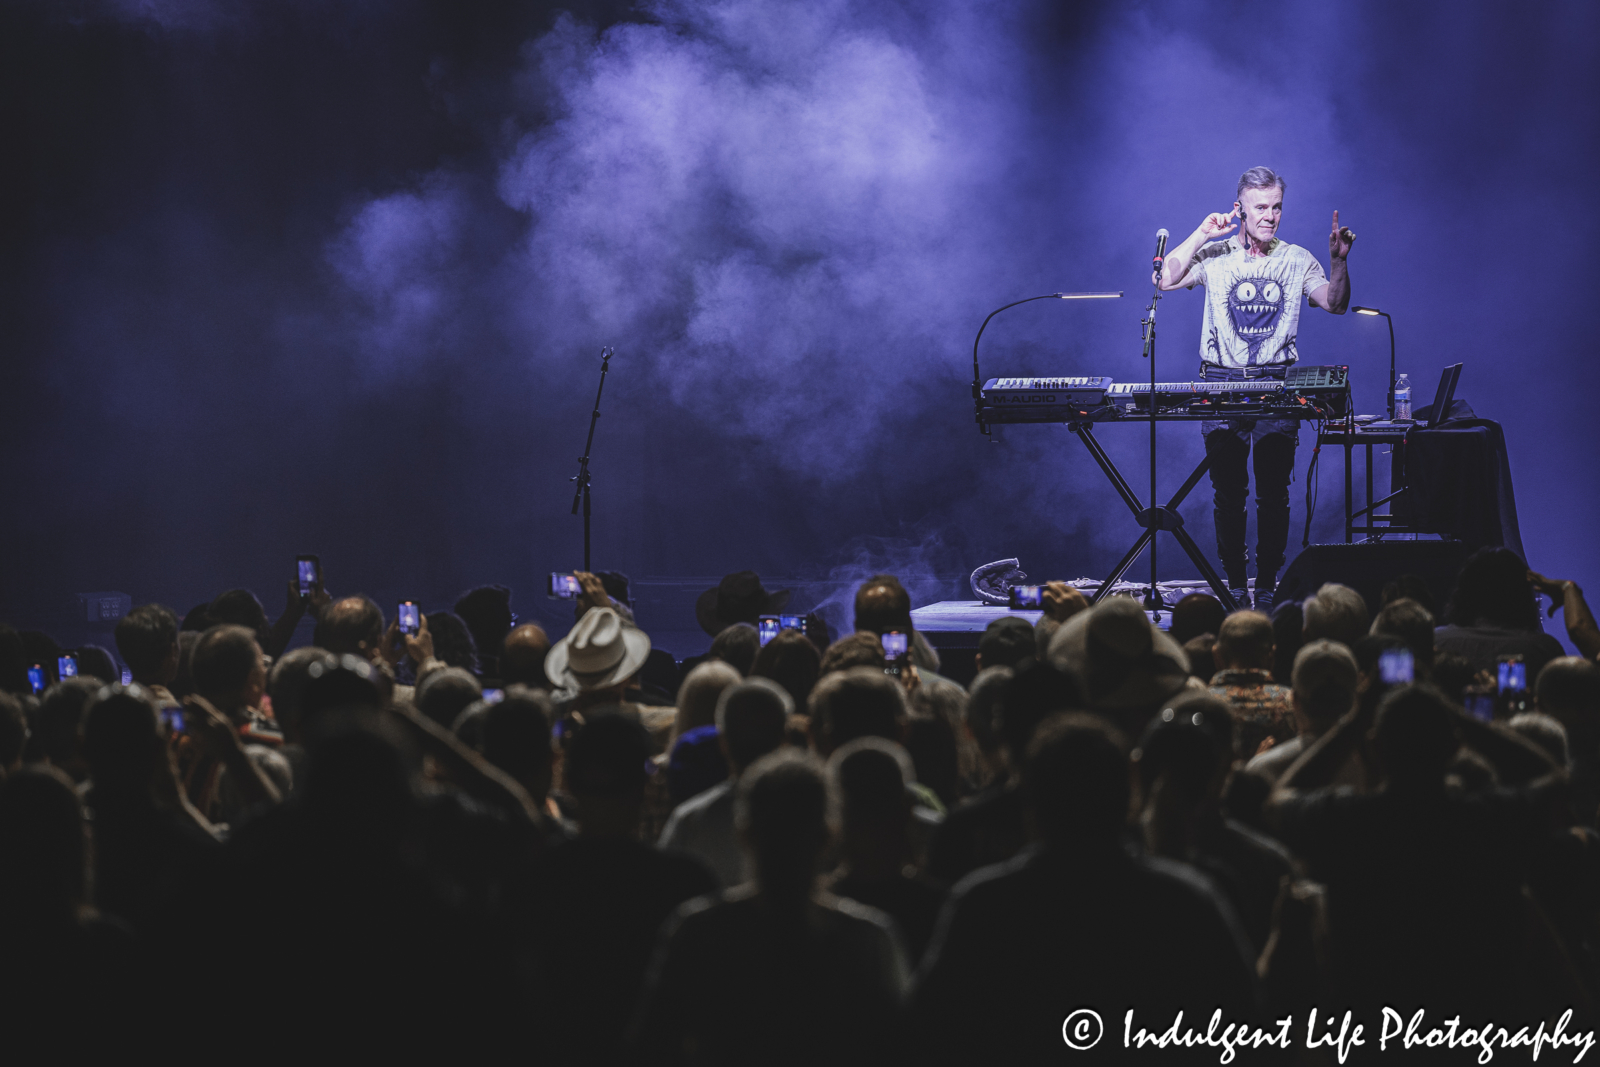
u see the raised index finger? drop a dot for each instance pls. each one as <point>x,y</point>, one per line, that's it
<point>1335,220</point>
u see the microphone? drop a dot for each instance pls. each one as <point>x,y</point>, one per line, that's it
<point>1161,248</point>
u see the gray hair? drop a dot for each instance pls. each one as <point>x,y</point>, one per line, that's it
<point>1337,613</point>
<point>1324,679</point>
<point>700,692</point>
<point>1259,178</point>
<point>1544,731</point>
<point>752,691</point>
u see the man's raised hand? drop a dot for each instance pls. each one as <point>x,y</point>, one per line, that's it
<point>1219,225</point>
<point>1340,240</point>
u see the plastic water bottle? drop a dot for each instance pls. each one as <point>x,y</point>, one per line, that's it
<point>1402,398</point>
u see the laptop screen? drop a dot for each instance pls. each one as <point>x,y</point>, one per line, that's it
<point>1446,396</point>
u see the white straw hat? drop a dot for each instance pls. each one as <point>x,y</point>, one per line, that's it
<point>602,650</point>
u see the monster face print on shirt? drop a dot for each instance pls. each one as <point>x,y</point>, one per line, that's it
<point>1254,305</point>
<point>1252,311</point>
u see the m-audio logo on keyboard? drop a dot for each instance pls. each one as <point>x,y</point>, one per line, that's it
<point>1024,398</point>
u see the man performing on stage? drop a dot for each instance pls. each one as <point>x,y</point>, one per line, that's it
<point>1254,283</point>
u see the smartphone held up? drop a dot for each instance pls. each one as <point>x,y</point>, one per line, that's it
<point>409,617</point>
<point>308,574</point>
<point>896,652</point>
<point>1026,597</point>
<point>769,626</point>
<point>564,586</point>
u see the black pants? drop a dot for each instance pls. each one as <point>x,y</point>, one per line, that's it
<point>1229,452</point>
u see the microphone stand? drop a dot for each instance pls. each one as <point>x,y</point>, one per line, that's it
<point>581,491</point>
<point>1153,601</point>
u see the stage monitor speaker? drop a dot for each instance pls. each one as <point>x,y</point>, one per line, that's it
<point>1366,568</point>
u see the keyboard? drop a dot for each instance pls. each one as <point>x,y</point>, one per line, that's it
<point>1304,392</point>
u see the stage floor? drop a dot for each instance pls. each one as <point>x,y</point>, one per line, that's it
<point>959,623</point>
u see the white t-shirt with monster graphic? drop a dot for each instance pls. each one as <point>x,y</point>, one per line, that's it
<point>1252,302</point>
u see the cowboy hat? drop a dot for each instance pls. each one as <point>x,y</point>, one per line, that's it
<point>602,650</point>
<point>737,598</point>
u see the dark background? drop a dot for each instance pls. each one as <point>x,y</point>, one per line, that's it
<point>333,277</point>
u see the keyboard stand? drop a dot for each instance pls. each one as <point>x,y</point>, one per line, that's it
<point>1152,519</point>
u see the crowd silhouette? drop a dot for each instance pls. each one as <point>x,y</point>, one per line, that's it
<point>474,840</point>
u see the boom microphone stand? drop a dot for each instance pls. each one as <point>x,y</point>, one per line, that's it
<point>1153,601</point>
<point>581,491</point>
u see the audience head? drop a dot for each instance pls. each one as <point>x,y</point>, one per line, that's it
<point>605,770</point>
<point>1410,587</point>
<point>1415,737</point>
<point>1410,622</point>
<point>598,657</point>
<point>930,739</point>
<point>1324,682</point>
<point>522,657</point>
<point>228,668</point>
<point>333,688</point>
<point>859,702</point>
<point>95,662</point>
<point>13,733</point>
<point>286,686</point>
<point>197,619</point>
<point>1196,614</point>
<point>1076,782</point>
<point>147,641</point>
<point>751,718</point>
<point>1122,661</point>
<point>1452,674</point>
<point>358,785</point>
<point>860,649</point>
<point>183,684</point>
<point>60,723</point>
<point>737,646</point>
<point>983,707</point>
<point>516,738</point>
<point>41,837</point>
<point>1189,746</point>
<point>1202,658</point>
<point>351,627</point>
<point>700,692</point>
<point>1288,634</point>
<point>14,662</point>
<point>1336,612</point>
<point>452,641</point>
<point>239,607</point>
<point>869,777</point>
<point>41,648</point>
<point>1544,731</point>
<point>486,613</point>
<point>1036,689</point>
<point>784,812</point>
<point>1493,590</point>
<point>1245,641</point>
<point>791,660</point>
<point>1005,641</point>
<point>739,597</point>
<point>445,694</point>
<point>1568,690</point>
<point>124,742</point>
<point>883,604</point>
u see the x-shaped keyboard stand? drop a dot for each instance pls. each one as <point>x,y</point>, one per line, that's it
<point>1152,519</point>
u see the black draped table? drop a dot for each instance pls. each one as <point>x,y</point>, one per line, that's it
<point>1454,481</point>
